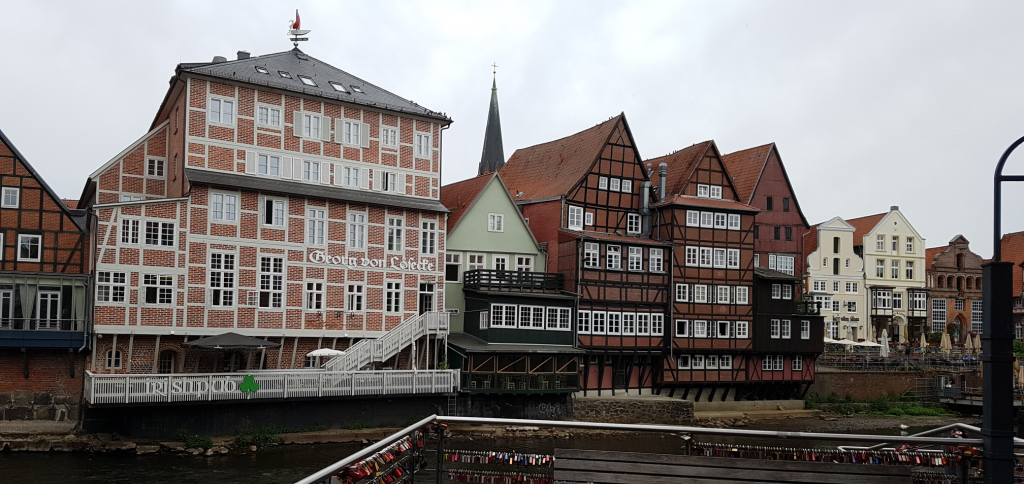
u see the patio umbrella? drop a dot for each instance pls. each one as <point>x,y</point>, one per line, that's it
<point>946,345</point>
<point>977,343</point>
<point>230,341</point>
<point>325,352</point>
<point>884,350</point>
<point>969,345</point>
<point>1020,376</point>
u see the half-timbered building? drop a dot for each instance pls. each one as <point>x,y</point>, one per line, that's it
<point>45,304</point>
<point>273,196</point>
<point>588,197</point>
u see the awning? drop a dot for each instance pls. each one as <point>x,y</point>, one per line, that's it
<point>231,341</point>
<point>472,344</point>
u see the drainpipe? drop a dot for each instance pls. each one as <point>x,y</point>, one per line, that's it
<point>645,208</point>
<point>662,179</point>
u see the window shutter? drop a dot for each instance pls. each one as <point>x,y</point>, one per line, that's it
<point>325,128</point>
<point>286,167</point>
<point>296,168</point>
<point>400,183</point>
<point>325,172</point>
<point>297,123</point>
<point>364,135</point>
<point>378,180</point>
<point>339,171</point>
<point>250,162</point>
<point>339,133</point>
<point>364,178</point>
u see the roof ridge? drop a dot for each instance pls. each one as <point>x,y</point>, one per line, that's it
<point>571,135</point>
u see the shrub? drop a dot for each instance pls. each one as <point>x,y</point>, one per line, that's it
<point>358,425</point>
<point>193,440</point>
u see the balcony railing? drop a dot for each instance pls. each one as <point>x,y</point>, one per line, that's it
<point>804,306</point>
<point>36,324</point>
<point>206,387</point>
<point>513,281</point>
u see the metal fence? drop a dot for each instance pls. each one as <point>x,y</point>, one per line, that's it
<point>876,363</point>
<point>368,351</point>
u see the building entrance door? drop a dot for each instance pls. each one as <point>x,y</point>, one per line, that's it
<point>426,300</point>
<point>49,310</point>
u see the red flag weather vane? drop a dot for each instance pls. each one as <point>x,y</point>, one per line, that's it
<point>295,30</point>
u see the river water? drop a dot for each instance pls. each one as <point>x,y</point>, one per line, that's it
<point>289,463</point>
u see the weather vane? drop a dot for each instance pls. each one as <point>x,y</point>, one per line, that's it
<point>294,30</point>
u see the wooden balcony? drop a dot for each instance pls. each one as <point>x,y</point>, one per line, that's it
<point>513,281</point>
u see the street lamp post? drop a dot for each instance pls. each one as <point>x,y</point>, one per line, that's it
<point>997,345</point>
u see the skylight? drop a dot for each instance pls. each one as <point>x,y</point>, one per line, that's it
<point>307,81</point>
<point>285,74</point>
<point>356,88</point>
<point>262,70</point>
<point>337,87</point>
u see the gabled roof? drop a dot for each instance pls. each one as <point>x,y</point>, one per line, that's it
<point>864,225</point>
<point>930,253</point>
<point>296,63</point>
<point>681,165</point>
<point>77,217</point>
<point>459,196</point>
<point>746,168</point>
<point>706,202</point>
<point>552,169</point>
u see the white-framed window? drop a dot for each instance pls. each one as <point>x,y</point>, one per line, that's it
<point>657,324</point>
<point>880,268</point>
<point>354,298</point>
<point>691,256</point>
<point>636,258</point>
<point>160,233</point>
<point>356,231</point>
<point>787,329</point>
<point>720,221</point>
<point>711,362</point>
<point>274,212</point>
<point>776,329</point>
<point>882,299</point>
<point>700,293</point>
<point>476,261</point>
<point>692,218</point>
<point>306,80</point>
<point>221,111</point>
<point>706,257</point>
<point>851,306</point>
<point>113,359</point>
<point>771,261</point>
<point>766,363</point>
<point>787,291</point>
<point>311,170</point>
<point>819,286</point>
<point>682,292</point>
<point>388,136</point>
<point>602,183</point>
<point>583,322</point>
<point>977,316</point>
<point>428,237</point>
<point>734,222</point>
<point>835,305</point>
<point>716,192</point>
<point>613,184</point>
<point>895,269</point>
<point>633,223</point>
<point>657,260</point>
<point>683,362</point>
<point>847,263</point>
<point>11,197</point>
<point>155,168</point>
<point>910,245</point>
<point>742,295</point>
<point>314,296</point>
<point>798,363</point>
<point>742,329</point>
<point>271,282</point>
<point>311,126</point>
<point>224,207</point>
<point>350,134</point>
<point>591,255</point>
<point>958,304</point>
<point>777,363</point>
<point>703,191</point>
<point>707,220</point>
<point>835,287</point>
<point>575,218</point>
<point>700,329</point>
<point>910,270</point>
<point>895,244</point>
<point>825,302</point>
<point>897,300</point>
<point>805,330</point>
<point>222,279</point>
<point>422,145</point>
<point>852,287</point>
<point>524,263</point>
<point>499,262</point>
<point>643,324</point>
<point>627,186</point>
<point>724,329</point>
<point>628,323</point>
<point>776,291</point>
<point>880,243</point>
<point>393,297</point>
<point>158,288</point>
<point>268,165</point>
<point>352,177</point>
<point>588,219</point>
<point>938,314</point>
<point>452,267</point>
<point>613,255</point>
<point>495,222</point>
<point>723,294</point>
<point>129,231</point>
<point>503,315</point>
<point>719,258</point>
<point>316,226</point>
<point>395,229</point>
<point>30,247</point>
<point>110,286</point>
<point>268,116</point>
<point>597,319</point>
<point>725,362</point>
<point>559,319</point>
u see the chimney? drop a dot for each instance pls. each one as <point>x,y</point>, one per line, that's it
<point>894,207</point>
<point>243,54</point>
<point>217,59</point>
<point>662,180</point>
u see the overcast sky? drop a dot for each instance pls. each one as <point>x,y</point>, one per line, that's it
<point>872,104</point>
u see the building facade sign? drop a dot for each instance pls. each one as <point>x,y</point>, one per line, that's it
<point>395,262</point>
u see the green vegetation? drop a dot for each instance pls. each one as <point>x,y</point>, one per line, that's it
<point>267,436</point>
<point>1018,348</point>
<point>358,425</point>
<point>885,405</point>
<point>193,440</point>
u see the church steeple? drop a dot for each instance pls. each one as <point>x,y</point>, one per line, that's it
<point>493,156</point>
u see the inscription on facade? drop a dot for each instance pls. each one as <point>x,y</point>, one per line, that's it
<point>322,257</point>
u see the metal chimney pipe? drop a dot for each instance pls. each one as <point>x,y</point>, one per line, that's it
<point>662,180</point>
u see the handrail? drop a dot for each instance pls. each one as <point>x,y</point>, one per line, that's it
<point>513,280</point>
<point>370,350</point>
<point>33,324</point>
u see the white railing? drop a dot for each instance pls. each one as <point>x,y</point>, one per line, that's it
<point>204,387</point>
<point>368,351</point>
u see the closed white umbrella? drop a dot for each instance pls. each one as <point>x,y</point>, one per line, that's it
<point>969,345</point>
<point>884,350</point>
<point>945,344</point>
<point>977,343</point>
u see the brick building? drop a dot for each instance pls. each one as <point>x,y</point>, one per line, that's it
<point>274,196</point>
<point>45,306</point>
<point>953,277</point>
<point>1012,250</point>
<point>761,181</point>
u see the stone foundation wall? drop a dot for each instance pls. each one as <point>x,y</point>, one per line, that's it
<point>625,411</point>
<point>27,405</point>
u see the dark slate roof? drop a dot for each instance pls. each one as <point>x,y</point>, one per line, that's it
<point>765,273</point>
<point>77,216</point>
<point>225,179</point>
<point>493,156</point>
<point>473,344</point>
<point>297,63</point>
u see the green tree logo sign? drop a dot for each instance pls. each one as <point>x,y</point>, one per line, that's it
<point>249,385</point>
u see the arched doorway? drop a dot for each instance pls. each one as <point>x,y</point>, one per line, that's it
<point>898,330</point>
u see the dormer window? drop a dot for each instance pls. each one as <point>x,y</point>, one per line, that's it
<point>356,89</point>
<point>716,192</point>
<point>703,191</point>
<point>285,74</point>
<point>262,70</point>
<point>337,87</point>
<point>307,81</point>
